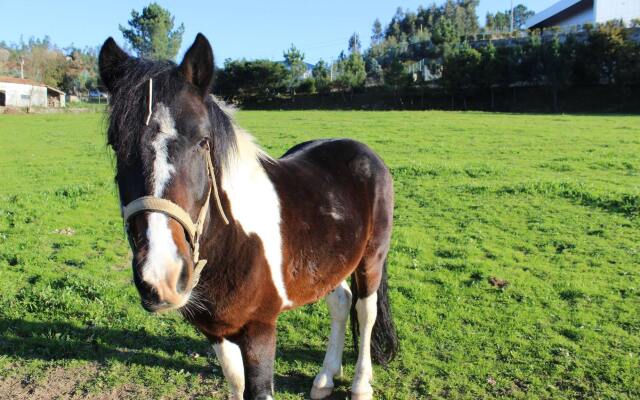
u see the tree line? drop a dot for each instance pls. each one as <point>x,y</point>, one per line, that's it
<point>72,69</point>
<point>603,54</point>
<point>441,40</point>
<point>444,39</point>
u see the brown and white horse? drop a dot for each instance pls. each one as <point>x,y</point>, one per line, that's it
<point>297,227</point>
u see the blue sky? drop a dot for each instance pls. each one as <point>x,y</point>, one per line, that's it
<point>236,29</point>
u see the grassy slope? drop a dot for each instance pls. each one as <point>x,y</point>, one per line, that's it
<point>549,203</point>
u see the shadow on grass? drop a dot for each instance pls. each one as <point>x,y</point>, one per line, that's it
<point>57,340</point>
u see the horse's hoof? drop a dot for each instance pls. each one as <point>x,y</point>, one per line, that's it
<point>362,396</point>
<point>320,393</point>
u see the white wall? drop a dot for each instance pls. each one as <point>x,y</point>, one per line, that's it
<point>584,17</point>
<point>21,95</point>
<point>615,9</point>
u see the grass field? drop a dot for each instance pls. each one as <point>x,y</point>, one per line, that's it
<point>549,203</point>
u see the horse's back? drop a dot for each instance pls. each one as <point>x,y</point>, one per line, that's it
<point>333,155</point>
<point>336,200</point>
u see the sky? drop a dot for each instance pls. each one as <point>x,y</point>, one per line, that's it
<point>236,29</point>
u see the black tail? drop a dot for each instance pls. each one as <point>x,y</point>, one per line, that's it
<point>384,339</point>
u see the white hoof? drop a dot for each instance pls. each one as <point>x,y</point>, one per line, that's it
<point>321,392</point>
<point>362,391</point>
<point>323,383</point>
<point>362,396</point>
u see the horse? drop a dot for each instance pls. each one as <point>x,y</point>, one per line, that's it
<point>274,234</point>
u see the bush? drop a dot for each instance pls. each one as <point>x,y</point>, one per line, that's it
<point>307,86</point>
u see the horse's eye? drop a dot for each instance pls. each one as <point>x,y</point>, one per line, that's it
<point>204,144</point>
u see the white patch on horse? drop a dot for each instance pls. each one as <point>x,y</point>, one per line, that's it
<point>366,309</point>
<point>162,169</point>
<point>255,204</point>
<point>333,212</point>
<point>230,359</point>
<point>163,252</point>
<point>339,303</point>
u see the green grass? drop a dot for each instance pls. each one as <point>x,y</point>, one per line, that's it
<point>551,203</point>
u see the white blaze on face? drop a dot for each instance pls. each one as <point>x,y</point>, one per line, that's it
<point>163,252</point>
<point>255,205</point>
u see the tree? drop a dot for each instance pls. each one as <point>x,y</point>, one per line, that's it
<point>151,33</point>
<point>374,70</point>
<point>81,73</point>
<point>394,28</point>
<point>558,59</point>
<point>352,73</point>
<point>396,77</point>
<point>39,59</point>
<point>460,72</point>
<point>489,70</point>
<point>520,16</point>
<point>376,32</point>
<point>294,60</point>
<point>605,47</point>
<point>322,76</point>
<point>628,64</point>
<point>532,63</point>
<point>501,21</point>
<point>466,13</point>
<point>354,44</point>
<point>240,80</point>
<point>445,36</point>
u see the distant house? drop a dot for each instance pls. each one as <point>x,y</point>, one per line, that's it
<point>17,92</point>
<point>579,12</point>
<point>308,73</point>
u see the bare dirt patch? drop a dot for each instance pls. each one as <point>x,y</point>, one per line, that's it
<point>63,383</point>
<point>57,382</point>
<point>72,383</point>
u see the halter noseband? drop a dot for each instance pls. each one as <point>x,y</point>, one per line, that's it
<point>177,213</point>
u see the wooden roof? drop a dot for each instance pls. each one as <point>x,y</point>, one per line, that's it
<point>10,79</point>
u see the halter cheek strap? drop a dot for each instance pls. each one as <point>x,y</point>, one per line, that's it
<point>177,213</point>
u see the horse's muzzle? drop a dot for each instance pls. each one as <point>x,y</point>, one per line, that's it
<point>170,292</point>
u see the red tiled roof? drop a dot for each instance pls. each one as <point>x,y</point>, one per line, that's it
<point>10,79</point>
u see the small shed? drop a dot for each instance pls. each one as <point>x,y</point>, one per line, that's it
<point>55,97</point>
<point>18,92</point>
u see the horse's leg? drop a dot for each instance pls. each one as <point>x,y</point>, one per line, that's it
<point>258,345</point>
<point>367,280</point>
<point>367,309</point>
<point>230,359</point>
<point>339,303</point>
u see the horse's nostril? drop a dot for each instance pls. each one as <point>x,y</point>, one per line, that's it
<point>183,279</point>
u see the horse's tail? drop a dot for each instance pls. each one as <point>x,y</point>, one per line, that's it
<point>384,339</point>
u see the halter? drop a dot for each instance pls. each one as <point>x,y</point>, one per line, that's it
<point>177,213</point>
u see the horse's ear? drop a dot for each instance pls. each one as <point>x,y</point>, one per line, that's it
<point>197,64</point>
<point>110,62</point>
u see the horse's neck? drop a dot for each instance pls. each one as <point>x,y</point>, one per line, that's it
<point>253,207</point>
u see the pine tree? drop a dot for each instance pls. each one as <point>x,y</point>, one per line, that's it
<point>354,44</point>
<point>151,33</point>
<point>376,32</point>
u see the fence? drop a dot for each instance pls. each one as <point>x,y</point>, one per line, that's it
<point>575,99</point>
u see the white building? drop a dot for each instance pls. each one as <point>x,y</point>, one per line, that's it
<point>17,92</point>
<point>579,12</point>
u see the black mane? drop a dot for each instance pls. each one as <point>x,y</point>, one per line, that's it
<point>129,108</point>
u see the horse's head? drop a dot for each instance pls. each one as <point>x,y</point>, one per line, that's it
<point>162,132</point>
